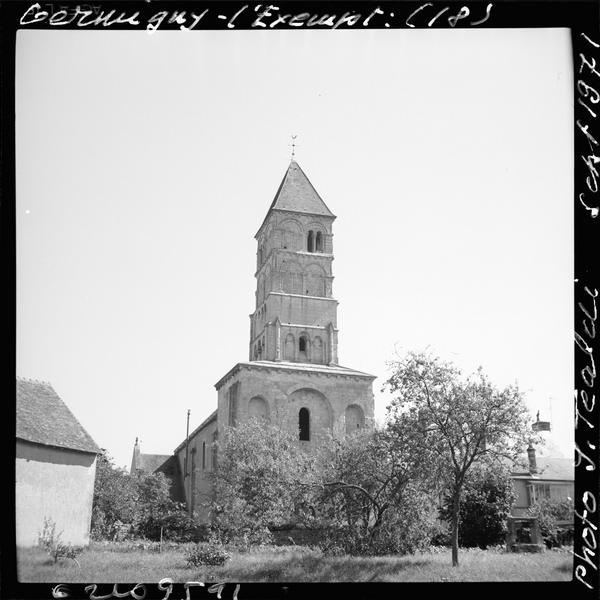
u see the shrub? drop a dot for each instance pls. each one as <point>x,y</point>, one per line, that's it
<point>243,537</point>
<point>177,526</point>
<point>549,513</point>
<point>488,495</point>
<point>403,529</point>
<point>115,507</point>
<point>206,553</point>
<point>440,535</point>
<point>135,505</point>
<point>50,541</point>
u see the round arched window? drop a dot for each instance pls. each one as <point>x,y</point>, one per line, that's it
<point>304,424</point>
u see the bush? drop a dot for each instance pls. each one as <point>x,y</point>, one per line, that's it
<point>404,529</point>
<point>549,513</point>
<point>125,506</point>
<point>440,535</point>
<point>206,553</point>
<point>115,506</point>
<point>177,526</point>
<point>50,541</point>
<point>486,503</point>
<point>243,537</point>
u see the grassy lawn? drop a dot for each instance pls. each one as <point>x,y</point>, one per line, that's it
<point>105,564</point>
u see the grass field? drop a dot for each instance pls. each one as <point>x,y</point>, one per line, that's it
<point>106,564</point>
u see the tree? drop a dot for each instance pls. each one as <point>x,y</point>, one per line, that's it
<point>155,507</point>
<point>451,423</point>
<point>372,496</point>
<point>262,480</point>
<point>487,501</point>
<point>138,505</point>
<point>115,499</point>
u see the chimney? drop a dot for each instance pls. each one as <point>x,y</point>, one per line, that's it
<point>531,456</point>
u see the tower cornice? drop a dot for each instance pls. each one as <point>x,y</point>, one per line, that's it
<point>304,253</point>
<point>305,368</point>
<point>332,217</point>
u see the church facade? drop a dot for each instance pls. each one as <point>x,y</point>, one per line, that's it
<point>292,376</point>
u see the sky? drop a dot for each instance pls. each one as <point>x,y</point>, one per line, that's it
<point>145,164</point>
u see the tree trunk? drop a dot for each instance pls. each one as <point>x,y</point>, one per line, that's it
<point>455,519</point>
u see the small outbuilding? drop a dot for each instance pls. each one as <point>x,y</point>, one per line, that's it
<point>55,467</point>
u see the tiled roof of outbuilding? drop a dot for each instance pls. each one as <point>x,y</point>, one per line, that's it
<point>296,193</point>
<point>43,418</point>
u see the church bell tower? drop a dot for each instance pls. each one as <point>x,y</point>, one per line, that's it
<point>295,317</point>
<point>292,376</point>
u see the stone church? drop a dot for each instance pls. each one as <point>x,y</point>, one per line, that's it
<point>292,376</point>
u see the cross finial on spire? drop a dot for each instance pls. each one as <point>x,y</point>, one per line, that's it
<point>293,146</point>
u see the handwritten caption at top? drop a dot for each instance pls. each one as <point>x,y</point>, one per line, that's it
<point>260,16</point>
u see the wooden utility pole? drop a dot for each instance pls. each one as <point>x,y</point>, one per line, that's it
<point>187,444</point>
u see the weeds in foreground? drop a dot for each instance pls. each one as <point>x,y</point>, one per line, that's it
<point>206,553</point>
<point>50,541</point>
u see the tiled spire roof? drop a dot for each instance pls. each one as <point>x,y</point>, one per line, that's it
<point>296,193</point>
<point>43,418</point>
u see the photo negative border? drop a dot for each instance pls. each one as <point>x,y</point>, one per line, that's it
<point>581,17</point>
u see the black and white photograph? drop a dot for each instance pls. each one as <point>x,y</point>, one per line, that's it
<point>294,305</point>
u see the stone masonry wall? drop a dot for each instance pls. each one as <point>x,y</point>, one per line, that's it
<point>326,395</point>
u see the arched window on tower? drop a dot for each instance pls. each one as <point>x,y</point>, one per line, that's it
<point>317,353</point>
<point>303,348</point>
<point>319,242</point>
<point>304,424</point>
<point>289,353</point>
<point>310,242</point>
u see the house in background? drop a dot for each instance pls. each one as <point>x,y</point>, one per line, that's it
<point>543,478</point>
<point>146,464</point>
<point>542,475</point>
<point>55,467</point>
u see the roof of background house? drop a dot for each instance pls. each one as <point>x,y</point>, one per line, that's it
<point>548,469</point>
<point>43,418</point>
<point>150,462</point>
